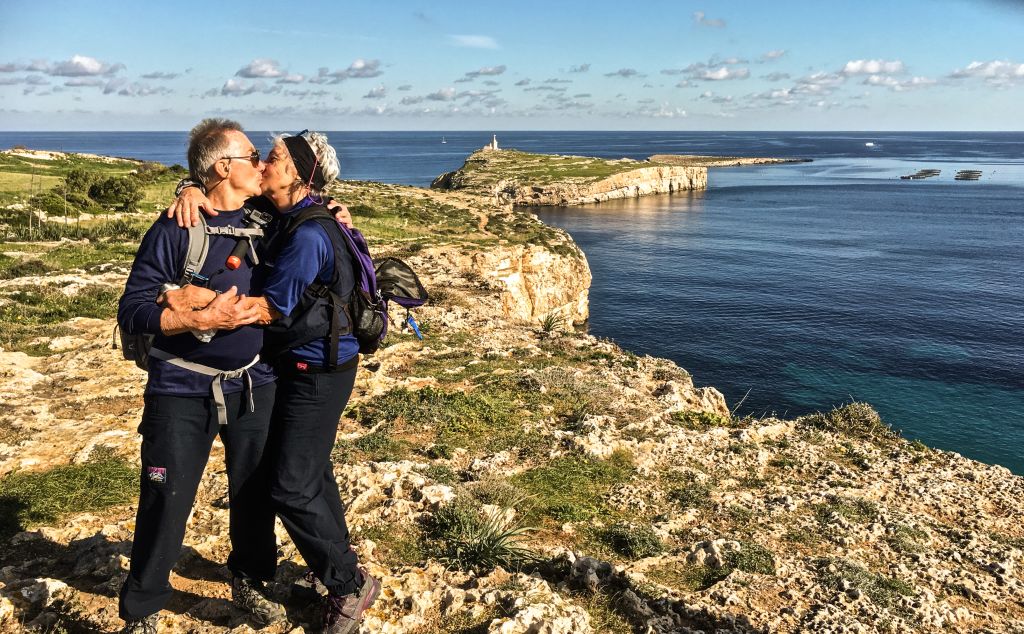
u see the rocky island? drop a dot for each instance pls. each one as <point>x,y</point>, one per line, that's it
<point>528,179</point>
<point>508,474</point>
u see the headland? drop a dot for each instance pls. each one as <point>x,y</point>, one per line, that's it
<point>509,473</point>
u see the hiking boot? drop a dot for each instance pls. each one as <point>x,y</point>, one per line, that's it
<point>250,596</point>
<point>307,590</point>
<point>145,625</point>
<point>342,613</point>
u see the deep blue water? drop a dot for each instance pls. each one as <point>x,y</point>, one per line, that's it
<point>805,285</point>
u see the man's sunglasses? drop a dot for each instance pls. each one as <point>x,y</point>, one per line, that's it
<point>253,158</point>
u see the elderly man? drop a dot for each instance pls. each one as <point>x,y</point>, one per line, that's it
<point>200,387</point>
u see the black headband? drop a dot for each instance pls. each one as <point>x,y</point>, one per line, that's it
<point>305,160</point>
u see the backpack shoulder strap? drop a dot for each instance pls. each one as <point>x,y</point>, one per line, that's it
<point>198,247</point>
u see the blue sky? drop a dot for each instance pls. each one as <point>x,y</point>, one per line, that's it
<point>528,64</point>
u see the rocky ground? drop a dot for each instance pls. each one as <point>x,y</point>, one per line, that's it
<point>512,474</point>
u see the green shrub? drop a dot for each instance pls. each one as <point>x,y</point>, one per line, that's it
<point>701,421</point>
<point>631,540</point>
<point>883,591</point>
<point>79,180</point>
<point>466,539</point>
<point>856,419</point>
<point>123,192</point>
<point>32,498</point>
<point>692,495</point>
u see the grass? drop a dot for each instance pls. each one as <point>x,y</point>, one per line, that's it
<point>415,419</point>
<point>907,539</point>
<point>397,544</point>
<point>569,488</point>
<point>702,421</point>
<point>29,314</point>
<point>882,590</point>
<point>461,536</point>
<point>631,540</point>
<point>694,494</point>
<point>751,558</point>
<point>44,497</point>
<point>856,510</point>
<point>859,420</point>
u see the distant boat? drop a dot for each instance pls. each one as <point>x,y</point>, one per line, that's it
<point>967,175</point>
<point>869,144</point>
<point>442,140</point>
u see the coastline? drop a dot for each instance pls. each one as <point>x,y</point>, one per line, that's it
<point>764,524</point>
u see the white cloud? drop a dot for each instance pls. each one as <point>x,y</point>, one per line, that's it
<point>445,94</point>
<point>625,72</point>
<point>724,73</point>
<point>405,87</point>
<point>700,18</point>
<point>79,66</point>
<point>295,78</point>
<point>359,69</point>
<point>474,41</point>
<point>159,75</point>
<point>996,72</point>
<point>899,85</point>
<point>240,88</point>
<point>364,68</point>
<point>872,67</point>
<point>376,93</point>
<point>261,68</point>
<point>776,76</point>
<point>487,70</point>
<point>582,68</point>
<point>523,82</point>
<point>772,55</point>
<point>85,81</point>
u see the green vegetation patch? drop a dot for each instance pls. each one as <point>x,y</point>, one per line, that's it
<point>856,510</point>
<point>411,419</point>
<point>904,538</point>
<point>692,493</point>
<point>461,536</point>
<point>856,419</point>
<point>882,590</point>
<point>703,421</point>
<point>751,558</point>
<point>570,488</point>
<point>633,541</point>
<point>28,314</point>
<point>43,497</point>
<point>397,544</point>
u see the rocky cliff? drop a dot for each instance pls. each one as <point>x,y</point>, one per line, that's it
<point>592,489</point>
<point>538,179</point>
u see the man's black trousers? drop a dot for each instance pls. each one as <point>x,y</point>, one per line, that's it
<point>177,434</point>
<point>305,493</point>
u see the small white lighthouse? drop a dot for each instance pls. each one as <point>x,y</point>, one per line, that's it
<point>494,142</point>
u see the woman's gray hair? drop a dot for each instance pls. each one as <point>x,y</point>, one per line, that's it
<point>326,157</point>
<point>207,144</point>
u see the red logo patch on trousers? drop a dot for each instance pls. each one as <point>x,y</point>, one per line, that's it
<point>157,474</point>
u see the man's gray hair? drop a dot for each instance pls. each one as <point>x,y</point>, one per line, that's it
<point>325,156</point>
<point>206,144</point>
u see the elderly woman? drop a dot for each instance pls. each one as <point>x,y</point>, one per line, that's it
<point>304,266</point>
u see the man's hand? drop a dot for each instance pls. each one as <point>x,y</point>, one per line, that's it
<point>227,312</point>
<point>341,213</point>
<point>187,207</point>
<point>191,297</point>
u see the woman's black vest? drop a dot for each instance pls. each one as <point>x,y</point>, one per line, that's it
<point>322,311</point>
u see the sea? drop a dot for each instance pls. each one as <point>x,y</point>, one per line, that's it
<point>791,288</point>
